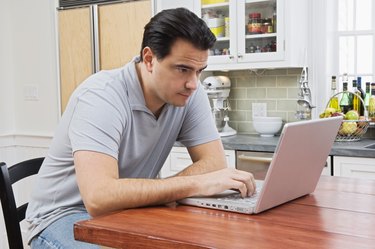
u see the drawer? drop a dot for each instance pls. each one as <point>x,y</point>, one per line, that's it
<point>256,163</point>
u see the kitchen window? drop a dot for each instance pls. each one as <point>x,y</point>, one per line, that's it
<point>342,41</point>
<point>354,39</point>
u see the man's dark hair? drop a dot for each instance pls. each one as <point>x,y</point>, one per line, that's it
<point>169,25</point>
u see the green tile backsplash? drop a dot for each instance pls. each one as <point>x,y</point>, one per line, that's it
<point>277,88</point>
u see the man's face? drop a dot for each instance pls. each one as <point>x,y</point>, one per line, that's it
<point>174,78</point>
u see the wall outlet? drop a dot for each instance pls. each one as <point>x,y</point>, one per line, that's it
<point>31,92</point>
<point>259,109</point>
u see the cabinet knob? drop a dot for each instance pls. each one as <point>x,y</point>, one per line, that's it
<point>231,57</point>
<point>240,56</point>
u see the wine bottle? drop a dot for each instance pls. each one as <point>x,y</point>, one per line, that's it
<point>345,103</point>
<point>334,101</point>
<point>357,102</point>
<point>350,89</point>
<point>371,106</point>
<point>367,95</point>
<point>359,87</point>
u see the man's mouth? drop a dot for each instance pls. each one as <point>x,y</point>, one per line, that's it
<point>187,95</point>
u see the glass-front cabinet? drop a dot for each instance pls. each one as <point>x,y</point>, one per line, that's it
<point>260,32</point>
<point>219,16</point>
<point>251,33</point>
<point>246,31</point>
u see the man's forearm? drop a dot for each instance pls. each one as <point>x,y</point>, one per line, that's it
<point>207,158</point>
<point>130,193</point>
<point>203,166</point>
<point>118,194</point>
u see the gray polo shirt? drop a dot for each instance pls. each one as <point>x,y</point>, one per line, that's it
<point>107,114</point>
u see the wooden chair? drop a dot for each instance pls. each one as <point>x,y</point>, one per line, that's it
<point>13,215</point>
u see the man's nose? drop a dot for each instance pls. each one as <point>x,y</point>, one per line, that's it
<point>192,82</point>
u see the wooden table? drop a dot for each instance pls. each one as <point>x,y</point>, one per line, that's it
<point>339,214</point>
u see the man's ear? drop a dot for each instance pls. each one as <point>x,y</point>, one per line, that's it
<point>148,57</point>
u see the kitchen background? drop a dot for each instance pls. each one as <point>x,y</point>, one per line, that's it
<point>29,81</point>
<point>278,88</point>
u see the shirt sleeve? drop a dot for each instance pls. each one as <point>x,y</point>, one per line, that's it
<point>97,123</point>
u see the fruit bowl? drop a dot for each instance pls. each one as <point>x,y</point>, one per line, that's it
<point>352,130</point>
<point>353,127</point>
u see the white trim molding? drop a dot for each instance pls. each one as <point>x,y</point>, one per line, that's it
<point>18,147</point>
<point>24,139</point>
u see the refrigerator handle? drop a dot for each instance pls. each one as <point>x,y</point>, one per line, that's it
<point>95,38</point>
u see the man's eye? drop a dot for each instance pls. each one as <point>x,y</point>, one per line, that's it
<point>182,69</point>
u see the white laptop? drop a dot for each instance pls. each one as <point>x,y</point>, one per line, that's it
<point>294,171</point>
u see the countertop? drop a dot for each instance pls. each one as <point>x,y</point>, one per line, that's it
<point>268,144</point>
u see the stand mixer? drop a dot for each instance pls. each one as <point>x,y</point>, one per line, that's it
<point>217,89</point>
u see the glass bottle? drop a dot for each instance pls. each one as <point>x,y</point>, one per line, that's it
<point>359,87</point>
<point>254,25</point>
<point>274,20</point>
<point>334,101</point>
<point>350,89</point>
<point>345,80</point>
<point>371,106</point>
<point>367,95</point>
<point>357,96</point>
<point>345,103</point>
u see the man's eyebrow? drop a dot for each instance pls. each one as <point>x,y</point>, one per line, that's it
<point>203,68</point>
<point>189,67</point>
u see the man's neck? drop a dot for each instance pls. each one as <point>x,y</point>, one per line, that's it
<point>151,101</point>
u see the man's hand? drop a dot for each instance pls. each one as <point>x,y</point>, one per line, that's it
<point>224,179</point>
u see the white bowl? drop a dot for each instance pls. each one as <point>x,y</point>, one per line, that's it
<point>267,119</point>
<point>267,126</point>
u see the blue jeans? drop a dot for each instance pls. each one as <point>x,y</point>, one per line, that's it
<point>59,235</point>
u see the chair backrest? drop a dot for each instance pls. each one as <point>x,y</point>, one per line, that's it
<point>13,215</point>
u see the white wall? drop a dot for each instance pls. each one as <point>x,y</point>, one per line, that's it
<point>6,68</point>
<point>30,49</point>
<point>36,65</point>
<point>28,57</point>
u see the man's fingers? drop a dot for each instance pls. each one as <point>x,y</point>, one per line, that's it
<point>247,185</point>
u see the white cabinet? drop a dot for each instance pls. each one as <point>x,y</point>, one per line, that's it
<point>179,159</point>
<point>327,167</point>
<point>277,39</point>
<point>357,167</point>
<point>247,39</point>
<point>160,5</point>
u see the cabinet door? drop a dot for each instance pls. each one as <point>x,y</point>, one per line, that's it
<point>241,39</point>
<point>120,31</point>
<point>283,44</point>
<point>221,18</point>
<point>160,5</point>
<point>75,50</point>
<point>327,170</point>
<point>260,30</point>
<point>356,167</point>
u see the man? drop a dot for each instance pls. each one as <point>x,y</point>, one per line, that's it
<point>120,126</point>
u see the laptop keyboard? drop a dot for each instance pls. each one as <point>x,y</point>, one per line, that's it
<point>245,200</point>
